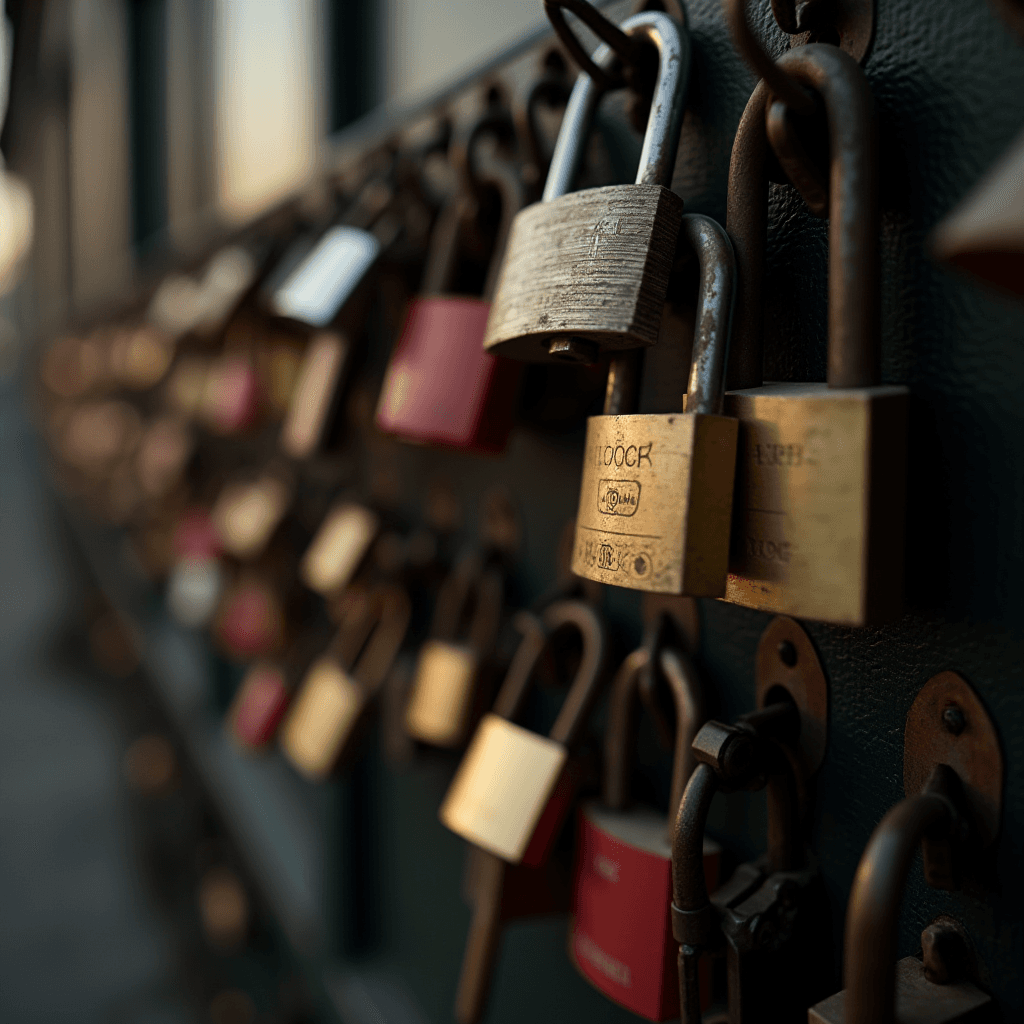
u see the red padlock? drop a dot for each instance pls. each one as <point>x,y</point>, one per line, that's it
<point>259,706</point>
<point>441,387</point>
<point>621,939</point>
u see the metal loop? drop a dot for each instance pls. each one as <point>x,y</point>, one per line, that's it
<point>664,125</point>
<point>715,303</point>
<point>803,173</point>
<point>625,48</point>
<point>749,47</point>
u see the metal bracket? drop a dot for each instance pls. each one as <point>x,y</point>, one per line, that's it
<point>786,657</point>
<point>948,724</point>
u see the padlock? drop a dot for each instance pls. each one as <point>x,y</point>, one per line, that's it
<point>441,387</point>
<point>621,938</point>
<point>953,776</point>
<point>513,788</point>
<point>250,619</point>
<point>258,707</point>
<point>445,683</point>
<point>497,890</point>
<point>248,512</point>
<point>332,703</point>
<point>196,579</point>
<point>656,494</point>
<point>310,289</point>
<point>339,548</point>
<point>819,506</point>
<point>768,915</point>
<point>588,271</point>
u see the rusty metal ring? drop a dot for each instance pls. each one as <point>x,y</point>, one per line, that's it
<point>780,84</point>
<point>607,31</point>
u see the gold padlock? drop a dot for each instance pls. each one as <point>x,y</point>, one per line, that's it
<point>323,722</point>
<point>513,787</point>
<point>656,493</point>
<point>819,506</point>
<point>444,686</point>
<point>338,548</point>
<point>588,271</point>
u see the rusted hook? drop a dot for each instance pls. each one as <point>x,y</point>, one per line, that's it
<point>625,47</point>
<point>779,84</point>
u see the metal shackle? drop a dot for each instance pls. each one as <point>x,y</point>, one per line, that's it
<point>872,916</point>
<point>853,278</point>
<point>537,632</point>
<point>470,580</point>
<point>368,644</point>
<point>715,303</point>
<point>620,736</point>
<point>664,125</point>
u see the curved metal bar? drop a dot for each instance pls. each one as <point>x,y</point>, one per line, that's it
<point>872,915</point>
<point>504,177</point>
<point>689,889</point>
<point>620,734</point>
<point>664,125</point>
<point>586,683</point>
<point>747,224</point>
<point>749,47</point>
<point>794,160</point>
<point>520,671</point>
<point>853,349</point>
<point>622,390</point>
<point>607,31</point>
<point>689,704</point>
<point>715,302</point>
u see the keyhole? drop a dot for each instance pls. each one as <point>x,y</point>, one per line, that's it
<point>787,653</point>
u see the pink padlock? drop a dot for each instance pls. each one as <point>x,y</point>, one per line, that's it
<point>441,388</point>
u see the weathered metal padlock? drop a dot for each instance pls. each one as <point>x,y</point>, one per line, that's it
<point>333,700</point>
<point>513,788</point>
<point>953,777</point>
<point>621,937</point>
<point>768,915</point>
<point>441,387</point>
<point>444,687</point>
<point>247,513</point>
<point>656,494</point>
<point>588,271</point>
<point>819,505</point>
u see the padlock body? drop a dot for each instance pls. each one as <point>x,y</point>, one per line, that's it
<point>322,719</point>
<point>918,1000</point>
<point>441,387</point>
<point>621,939</point>
<point>510,793</point>
<point>338,548</point>
<point>259,706</point>
<point>441,698</point>
<point>315,395</point>
<point>655,502</point>
<point>592,264</point>
<point>820,496</point>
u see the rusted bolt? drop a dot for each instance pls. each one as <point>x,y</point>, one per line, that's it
<point>953,719</point>
<point>945,953</point>
<point>787,653</point>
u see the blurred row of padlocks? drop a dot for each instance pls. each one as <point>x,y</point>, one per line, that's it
<point>216,420</point>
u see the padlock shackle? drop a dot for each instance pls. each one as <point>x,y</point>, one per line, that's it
<point>368,646</point>
<point>746,221</point>
<point>664,125</point>
<point>872,915</point>
<point>853,278</point>
<point>504,177</point>
<point>715,302</point>
<point>470,580</point>
<point>443,247</point>
<point>583,690</point>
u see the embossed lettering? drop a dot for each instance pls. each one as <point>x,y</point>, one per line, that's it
<point>768,550</point>
<point>785,455</point>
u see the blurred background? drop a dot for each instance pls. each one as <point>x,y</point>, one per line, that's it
<point>139,127</point>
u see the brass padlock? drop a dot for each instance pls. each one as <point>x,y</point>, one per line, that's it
<point>656,494</point>
<point>513,787</point>
<point>953,777</point>
<point>324,719</point>
<point>339,548</point>
<point>819,506</point>
<point>588,271</point>
<point>444,687</point>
